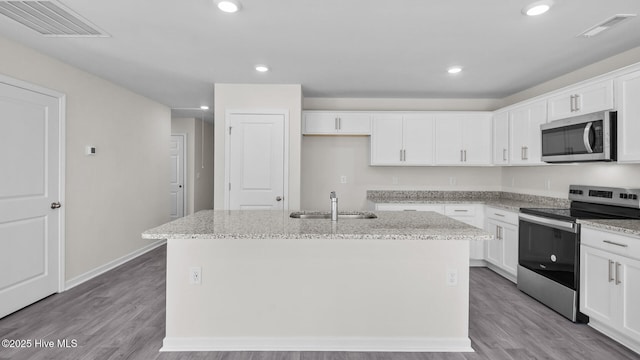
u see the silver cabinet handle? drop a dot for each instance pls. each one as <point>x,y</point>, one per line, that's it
<point>335,123</point>
<point>501,215</point>
<point>577,100</point>
<point>404,154</point>
<point>465,155</point>
<point>339,123</point>
<point>504,154</point>
<point>522,153</point>
<point>610,271</point>
<point>571,99</point>
<point>615,243</point>
<point>400,154</point>
<point>618,281</point>
<point>526,153</point>
<point>460,210</point>
<point>461,158</point>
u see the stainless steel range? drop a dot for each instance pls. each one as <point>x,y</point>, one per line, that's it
<point>549,244</point>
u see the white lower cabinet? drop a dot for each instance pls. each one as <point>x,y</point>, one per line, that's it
<point>502,252</point>
<point>610,284</point>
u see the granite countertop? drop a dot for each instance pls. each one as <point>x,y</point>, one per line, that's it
<point>390,225</point>
<point>504,200</point>
<point>624,227</point>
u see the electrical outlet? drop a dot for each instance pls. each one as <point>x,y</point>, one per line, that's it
<point>452,277</point>
<point>394,180</point>
<point>195,275</point>
<point>547,184</point>
<point>452,180</point>
<point>343,179</point>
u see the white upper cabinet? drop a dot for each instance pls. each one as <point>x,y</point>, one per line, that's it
<point>501,138</point>
<point>627,96</point>
<point>524,129</point>
<point>332,123</point>
<point>402,139</point>
<point>463,138</point>
<point>585,99</point>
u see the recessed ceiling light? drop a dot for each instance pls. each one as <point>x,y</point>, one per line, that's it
<point>454,70</point>
<point>262,68</point>
<point>228,6</point>
<point>204,107</point>
<point>537,8</point>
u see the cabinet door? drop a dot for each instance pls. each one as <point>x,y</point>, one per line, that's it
<point>524,127</point>
<point>448,140</point>
<point>320,123</point>
<point>627,95</point>
<point>418,139</point>
<point>386,140</point>
<point>354,123</point>
<point>582,100</point>
<point>476,139</point>
<point>597,278</point>
<point>494,247</point>
<point>510,248</point>
<point>630,294</point>
<point>501,138</point>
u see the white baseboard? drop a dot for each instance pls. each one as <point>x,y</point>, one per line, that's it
<point>363,344</point>
<point>504,274</point>
<point>71,283</point>
<point>633,344</point>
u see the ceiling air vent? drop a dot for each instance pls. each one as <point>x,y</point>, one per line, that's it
<point>605,25</point>
<point>50,18</point>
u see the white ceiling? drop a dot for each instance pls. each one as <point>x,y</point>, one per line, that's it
<point>173,51</point>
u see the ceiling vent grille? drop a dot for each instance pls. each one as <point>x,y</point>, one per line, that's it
<point>605,25</point>
<point>50,18</point>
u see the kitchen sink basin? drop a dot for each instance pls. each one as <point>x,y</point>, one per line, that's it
<point>327,215</point>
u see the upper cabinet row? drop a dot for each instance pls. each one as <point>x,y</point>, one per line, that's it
<point>509,136</point>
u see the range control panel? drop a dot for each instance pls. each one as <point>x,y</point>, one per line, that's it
<point>605,195</point>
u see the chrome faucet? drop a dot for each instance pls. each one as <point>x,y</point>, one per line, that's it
<point>334,206</point>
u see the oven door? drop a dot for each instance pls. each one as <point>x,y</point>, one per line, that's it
<point>550,248</point>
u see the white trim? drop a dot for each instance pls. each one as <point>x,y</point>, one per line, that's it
<point>62,146</point>
<point>615,334</point>
<point>368,344</point>
<point>185,165</point>
<point>227,149</point>
<point>71,283</point>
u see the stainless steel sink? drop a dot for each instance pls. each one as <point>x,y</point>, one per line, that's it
<point>327,215</point>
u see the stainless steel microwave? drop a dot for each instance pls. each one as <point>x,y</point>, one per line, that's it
<point>590,137</point>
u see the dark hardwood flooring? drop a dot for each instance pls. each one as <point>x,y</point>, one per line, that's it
<point>120,315</point>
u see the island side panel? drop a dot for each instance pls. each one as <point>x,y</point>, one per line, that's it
<point>318,294</point>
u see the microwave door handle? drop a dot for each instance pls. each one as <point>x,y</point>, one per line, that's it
<point>585,137</point>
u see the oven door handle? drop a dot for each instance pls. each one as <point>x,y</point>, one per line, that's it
<point>556,224</point>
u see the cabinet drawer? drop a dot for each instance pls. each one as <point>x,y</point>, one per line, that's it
<point>506,216</point>
<point>628,246</point>
<point>460,210</point>
<point>410,207</point>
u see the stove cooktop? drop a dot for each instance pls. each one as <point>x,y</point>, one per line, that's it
<point>572,214</point>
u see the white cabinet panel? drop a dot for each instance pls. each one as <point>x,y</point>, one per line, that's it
<point>501,138</point>
<point>402,139</point>
<point>463,139</point>
<point>524,128</point>
<point>627,95</point>
<point>331,123</point>
<point>502,252</point>
<point>582,100</point>
<point>596,295</point>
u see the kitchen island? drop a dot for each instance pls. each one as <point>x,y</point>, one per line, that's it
<point>399,282</point>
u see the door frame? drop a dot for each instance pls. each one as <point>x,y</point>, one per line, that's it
<point>62,100</point>
<point>227,149</point>
<point>185,165</point>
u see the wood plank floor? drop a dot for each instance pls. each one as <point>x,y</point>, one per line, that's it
<point>120,315</point>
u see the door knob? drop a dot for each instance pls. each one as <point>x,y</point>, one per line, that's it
<point>180,186</point>
<point>278,198</point>
<point>56,205</point>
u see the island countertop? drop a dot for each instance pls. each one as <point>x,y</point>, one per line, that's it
<point>272,224</point>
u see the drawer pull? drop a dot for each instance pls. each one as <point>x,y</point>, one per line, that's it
<point>610,271</point>
<point>460,210</point>
<point>501,215</point>
<point>409,210</point>
<point>615,243</point>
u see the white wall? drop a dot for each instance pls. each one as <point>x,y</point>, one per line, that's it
<point>252,96</point>
<point>532,180</point>
<point>114,196</point>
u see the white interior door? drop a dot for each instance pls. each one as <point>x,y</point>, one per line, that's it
<point>256,162</point>
<point>30,182</point>
<point>178,167</point>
